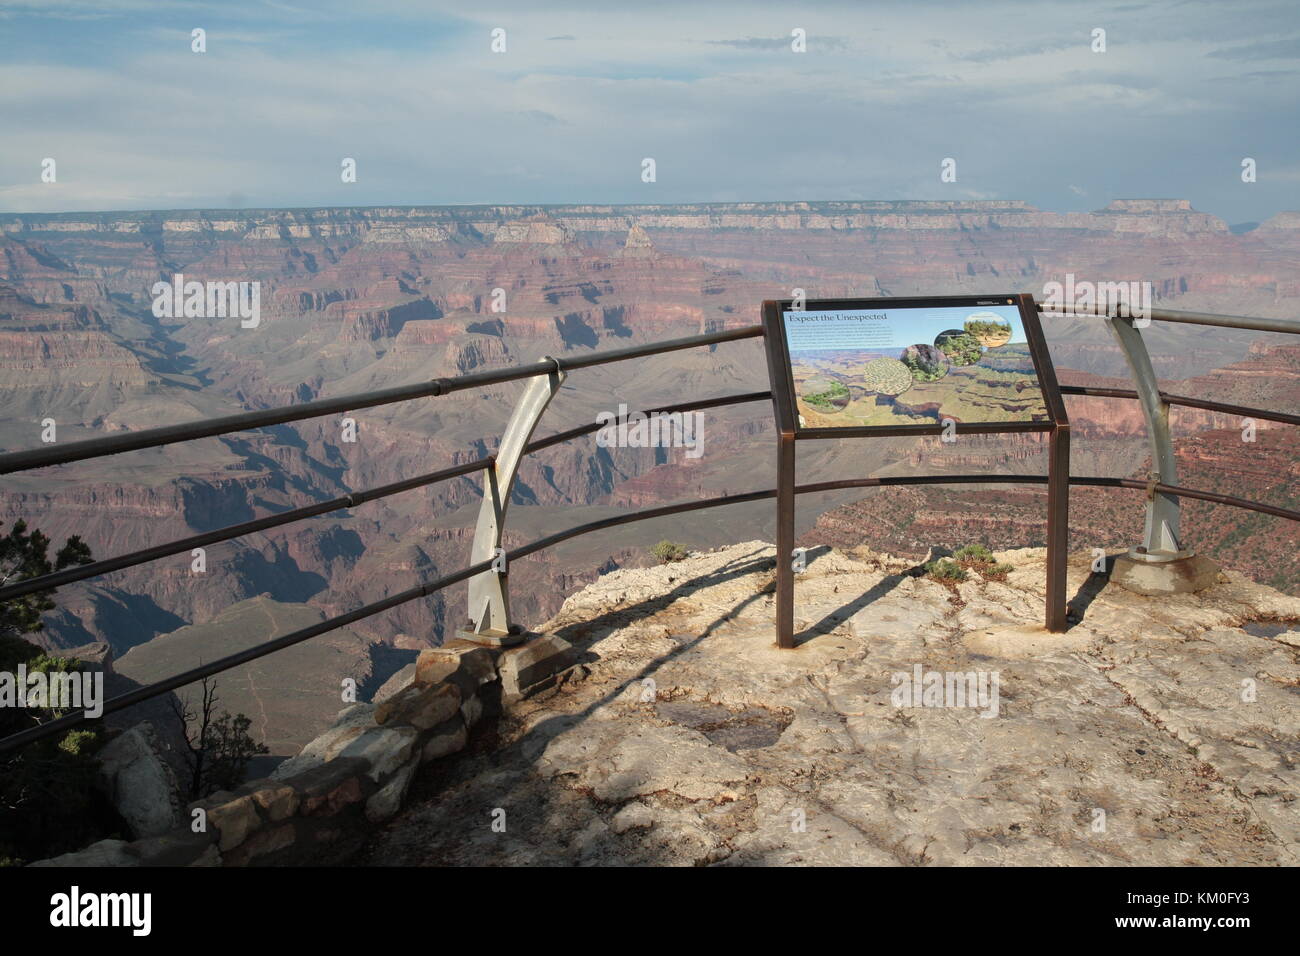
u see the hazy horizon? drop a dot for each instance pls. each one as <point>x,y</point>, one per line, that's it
<point>580,94</point>
<point>236,210</point>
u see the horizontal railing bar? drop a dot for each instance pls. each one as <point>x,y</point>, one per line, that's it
<point>170,434</point>
<point>1217,498</point>
<point>1240,410</point>
<point>70,721</point>
<point>79,573</point>
<point>1097,392</point>
<point>550,540</point>
<point>140,694</point>
<point>1099,481</point>
<point>572,433</point>
<point>655,348</point>
<point>1253,323</point>
<point>843,483</point>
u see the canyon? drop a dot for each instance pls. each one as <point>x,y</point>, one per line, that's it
<point>354,299</point>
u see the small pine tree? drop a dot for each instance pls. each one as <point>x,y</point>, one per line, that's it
<point>23,556</point>
<point>48,804</point>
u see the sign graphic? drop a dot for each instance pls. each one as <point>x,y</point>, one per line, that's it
<point>912,364</point>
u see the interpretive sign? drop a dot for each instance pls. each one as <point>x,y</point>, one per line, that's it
<point>909,365</point>
<point>945,366</point>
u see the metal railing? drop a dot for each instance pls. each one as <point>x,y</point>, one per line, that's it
<point>490,617</point>
<point>1162,539</point>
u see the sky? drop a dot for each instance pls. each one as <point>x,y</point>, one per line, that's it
<point>584,92</point>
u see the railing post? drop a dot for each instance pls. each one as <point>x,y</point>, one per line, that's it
<point>489,594</point>
<point>785,477</point>
<point>1160,541</point>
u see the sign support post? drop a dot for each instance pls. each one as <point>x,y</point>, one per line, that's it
<point>785,541</point>
<point>837,397</point>
<point>1058,525</point>
<point>783,407</point>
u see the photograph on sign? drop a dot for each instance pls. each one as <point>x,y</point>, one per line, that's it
<point>912,365</point>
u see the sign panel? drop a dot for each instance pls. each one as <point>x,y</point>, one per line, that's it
<point>948,365</point>
<point>907,365</point>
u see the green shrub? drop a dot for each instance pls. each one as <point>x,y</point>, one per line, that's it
<point>925,362</point>
<point>945,570</point>
<point>25,554</point>
<point>668,551</point>
<point>48,801</point>
<point>977,557</point>
<point>47,788</point>
<point>975,553</point>
<point>960,348</point>
<point>828,398</point>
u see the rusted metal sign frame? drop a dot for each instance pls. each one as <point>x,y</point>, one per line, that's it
<point>789,433</point>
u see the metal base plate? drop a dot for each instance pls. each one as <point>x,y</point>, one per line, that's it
<point>1158,557</point>
<point>492,637</point>
<point>1158,579</point>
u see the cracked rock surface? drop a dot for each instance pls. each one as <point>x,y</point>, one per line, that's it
<point>1154,732</point>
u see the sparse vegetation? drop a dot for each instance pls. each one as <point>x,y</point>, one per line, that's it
<point>836,392</point>
<point>945,571</point>
<point>666,552</point>
<point>218,746</point>
<point>48,803</point>
<point>960,348</point>
<point>925,363</point>
<point>978,558</point>
<point>973,552</point>
<point>970,557</point>
<point>989,333</point>
<point>23,556</point>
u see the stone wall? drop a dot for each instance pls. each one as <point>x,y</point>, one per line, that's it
<point>317,805</point>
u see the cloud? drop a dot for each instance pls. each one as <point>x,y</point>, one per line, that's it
<point>783,43</point>
<point>1021,50</point>
<point>413,92</point>
<point>1284,49</point>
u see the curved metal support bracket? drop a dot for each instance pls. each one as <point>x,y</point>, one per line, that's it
<point>489,595</point>
<point>1160,540</point>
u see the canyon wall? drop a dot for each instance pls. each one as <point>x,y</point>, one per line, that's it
<point>360,299</point>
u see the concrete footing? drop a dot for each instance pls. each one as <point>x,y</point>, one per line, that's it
<point>1184,575</point>
<point>492,637</point>
<point>534,665</point>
